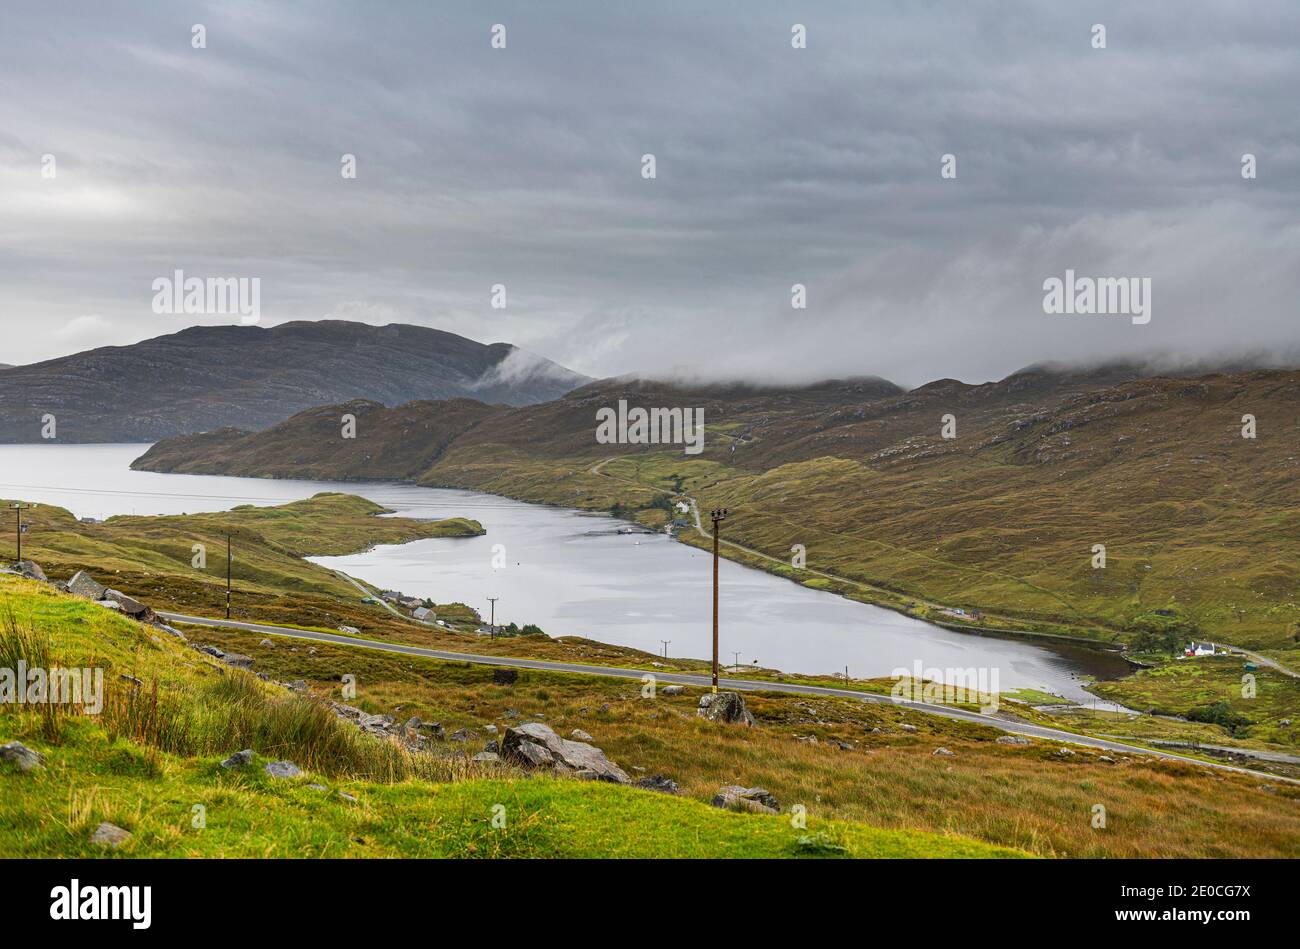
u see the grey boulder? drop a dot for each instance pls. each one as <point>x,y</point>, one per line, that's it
<point>726,707</point>
<point>536,745</point>
<point>22,757</point>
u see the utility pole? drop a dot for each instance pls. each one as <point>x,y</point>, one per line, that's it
<point>18,508</point>
<point>667,643</point>
<point>736,663</point>
<point>717,516</point>
<point>228,576</point>
<point>492,626</point>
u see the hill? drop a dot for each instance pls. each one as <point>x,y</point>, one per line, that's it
<point>1196,520</point>
<point>208,377</point>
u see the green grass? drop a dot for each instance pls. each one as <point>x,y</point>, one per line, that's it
<point>150,764</point>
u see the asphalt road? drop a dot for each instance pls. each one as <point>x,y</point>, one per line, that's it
<point>681,678</point>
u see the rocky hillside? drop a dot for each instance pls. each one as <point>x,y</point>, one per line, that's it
<point>206,378</point>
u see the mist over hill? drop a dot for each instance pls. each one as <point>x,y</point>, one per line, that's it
<point>209,377</point>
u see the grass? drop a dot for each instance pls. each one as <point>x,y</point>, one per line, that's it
<point>150,764</point>
<point>1025,798</point>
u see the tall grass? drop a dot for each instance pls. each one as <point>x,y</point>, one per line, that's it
<point>237,711</point>
<point>21,641</point>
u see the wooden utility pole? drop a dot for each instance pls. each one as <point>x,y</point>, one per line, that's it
<point>227,576</point>
<point>18,508</point>
<point>667,643</point>
<point>492,625</point>
<point>717,516</point>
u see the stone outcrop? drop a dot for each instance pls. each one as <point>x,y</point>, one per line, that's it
<point>535,745</point>
<point>726,707</point>
<point>733,797</point>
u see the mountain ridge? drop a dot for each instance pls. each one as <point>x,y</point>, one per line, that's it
<point>204,378</point>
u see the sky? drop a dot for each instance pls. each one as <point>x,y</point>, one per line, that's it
<point>774,166</point>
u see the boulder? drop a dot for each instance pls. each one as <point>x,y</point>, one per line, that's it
<point>908,728</point>
<point>297,685</point>
<point>131,607</point>
<point>503,676</point>
<point>83,584</point>
<point>109,835</point>
<point>726,707</point>
<point>238,660</point>
<point>32,570</point>
<point>673,689</point>
<point>579,735</point>
<point>1012,740</point>
<point>942,752</point>
<point>239,759</point>
<point>460,734</point>
<point>20,756</point>
<point>283,769</point>
<point>660,783</point>
<point>536,745</point>
<point>487,757</point>
<point>733,797</point>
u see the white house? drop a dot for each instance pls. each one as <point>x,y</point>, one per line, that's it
<point>423,613</point>
<point>1199,649</point>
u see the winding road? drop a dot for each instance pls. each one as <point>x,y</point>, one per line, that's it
<point>681,678</point>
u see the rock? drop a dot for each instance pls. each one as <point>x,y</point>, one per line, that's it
<point>1064,753</point>
<point>579,735</point>
<point>733,797</point>
<point>238,660</point>
<point>1285,723</point>
<point>267,643</point>
<point>109,835</point>
<point>347,797</point>
<point>1107,758</point>
<point>726,707</point>
<point>1269,788</point>
<point>109,604</point>
<point>212,651</point>
<point>318,787</point>
<point>673,689</point>
<point>493,746</point>
<point>239,759</point>
<point>434,730</point>
<point>83,584</point>
<point>660,783</point>
<point>536,745</point>
<point>460,734</point>
<point>32,570</point>
<point>505,676</point>
<point>297,685</point>
<point>1012,740</point>
<point>19,755</point>
<point>942,752</point>
<point>487,757</point>
<point>135,683</point>
<point>131,607</point>
<point>907,728</point>
<point>283,769</point>
<point>490,729</point>
<point>604,709</point>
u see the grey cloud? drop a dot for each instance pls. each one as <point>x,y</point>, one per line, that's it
<point>776,166</point>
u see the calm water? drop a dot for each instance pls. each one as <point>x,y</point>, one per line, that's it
<point>571,573</point>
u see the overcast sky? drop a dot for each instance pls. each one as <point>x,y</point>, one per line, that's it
<point>775,166</point>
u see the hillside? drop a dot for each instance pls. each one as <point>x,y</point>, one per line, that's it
<point>1196,520</point>
<point>872,777</point>
<point>149,763</point>
<point>206,378</point>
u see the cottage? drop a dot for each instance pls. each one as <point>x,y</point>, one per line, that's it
<point>423,614</point>
<point>1199,649</point>
<point>410,602</point>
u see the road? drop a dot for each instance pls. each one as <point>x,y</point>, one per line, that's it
<point>682,678</point>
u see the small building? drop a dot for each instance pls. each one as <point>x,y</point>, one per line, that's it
<point>1199,649</point>
<point>410,602</point>
<point>423,614</point>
